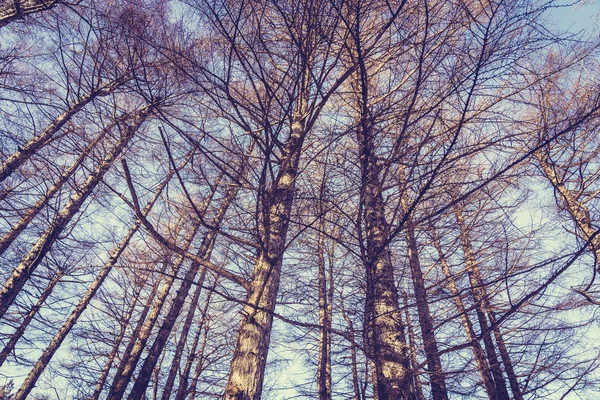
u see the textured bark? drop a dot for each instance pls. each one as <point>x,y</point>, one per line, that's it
<point>27,266</point>
<point>438,384</point>
<point>85,300</point>
<point>15,10</point>
<point>14,338</point>
<point>34,210</point>
<point>413,350</point>
<point>482,306</point>
<point>247,367</point>
<point>478,353</point>
<point>568,201</point>
<point>160,342</point>
<point>25,152</point>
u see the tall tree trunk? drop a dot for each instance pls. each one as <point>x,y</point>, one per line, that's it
<point>482,305</point>
<point>175,365</point>
<point>203,328</point>
<point>85,300</point>
<point>478,353</point>
<point>247,367</point>
<point>25,152</point>
<point>353,353</point>
<point>115,349</point>
<point>123,377</point>
<point>14,338</point>
<point>438,384</point>
<point>160,342</point>
<point>120,379</point>
<point>21,274</point>
<point>324,358</point>
<point>508,365</point>
<point>413,350</point>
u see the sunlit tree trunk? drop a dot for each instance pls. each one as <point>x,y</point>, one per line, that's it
<point>247,368</point>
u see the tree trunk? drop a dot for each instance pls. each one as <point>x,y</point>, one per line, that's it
<point>438,384</point>
<point>482,365</point>
<point>115,349</point>
<point>166,394</point>
<point>324,359</point>
<point>21,274</point>
<point>413,350</point>
<point>247,367</point>
<point>62,333</point>
<point>481,306</point>
<point>123,377</point>
<point>203,328</point>
<point>508,366</point>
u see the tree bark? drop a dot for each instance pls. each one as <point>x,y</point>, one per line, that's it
<point>247,367</point>
<point>413,350</point>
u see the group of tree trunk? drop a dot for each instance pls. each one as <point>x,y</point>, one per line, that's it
<point>325,199</point>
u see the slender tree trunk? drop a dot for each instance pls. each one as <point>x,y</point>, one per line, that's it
<point>34,144</point>
<point>160,342</point>
<point>127,369</point>
<point>21,274</point>
<point>438,384</point>
<point>413,350</point>
<point>34,210</point>
<point>85,300</point>
<point>14,338</point>
<point>247,367</point>
<point>478,353</point>
<point>481,306</point>
<point>120,379</point>
<point>183,339</point>
<point>203,328</point>
<point>324,359</point>
<point>353,353</point>
<point>115,349</point>
<point>508,366</point>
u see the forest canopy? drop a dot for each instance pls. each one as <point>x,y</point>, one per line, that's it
<point>311,199</point>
